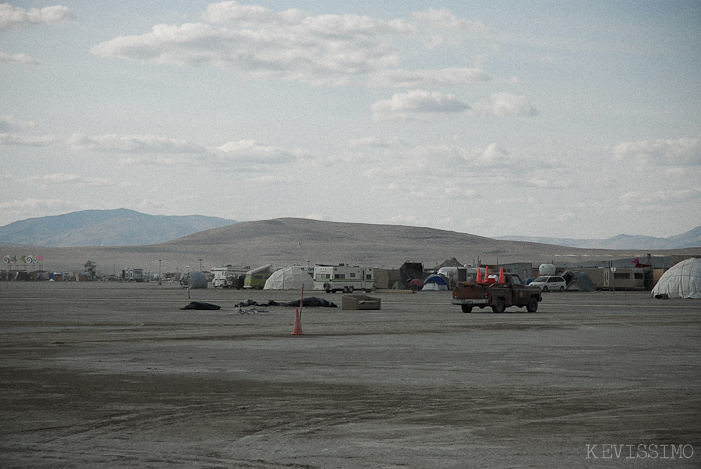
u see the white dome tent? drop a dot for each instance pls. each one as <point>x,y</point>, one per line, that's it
<point>682,280</point>
<point>289,278</point>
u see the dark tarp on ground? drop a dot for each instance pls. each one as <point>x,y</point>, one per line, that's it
<point>201,305</point>
<point>311,301</point>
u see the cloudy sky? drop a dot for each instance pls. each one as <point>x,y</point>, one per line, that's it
<point>544,118</point>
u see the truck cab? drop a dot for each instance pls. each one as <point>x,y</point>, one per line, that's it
<point>497,294</point>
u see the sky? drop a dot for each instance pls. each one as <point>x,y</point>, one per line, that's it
<point>573,119</point>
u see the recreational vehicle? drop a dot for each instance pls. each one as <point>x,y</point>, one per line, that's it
<point>255,279</point>
<point>133,275</point>
<point>620,278</point>
<point>230,276</point>
<point>333,278</point>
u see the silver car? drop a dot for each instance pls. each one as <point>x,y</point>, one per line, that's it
<point>546,283</point>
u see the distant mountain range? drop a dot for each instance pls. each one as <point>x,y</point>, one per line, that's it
<point>301,241</point>
<point>689,239</point>
<point>120,227</point>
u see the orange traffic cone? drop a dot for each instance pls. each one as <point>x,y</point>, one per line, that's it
<point>501,275</point>
<point>479,275</point>
<point>297,328</point>
<point>486,273</point>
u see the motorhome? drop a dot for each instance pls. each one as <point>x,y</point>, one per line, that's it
<point>255,279</point>
<point>333,278</point>
<point>230,276</point>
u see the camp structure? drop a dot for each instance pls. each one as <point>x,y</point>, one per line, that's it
<point>193,280</point>
<point>435,282</point>
<point>682,280</point>
<point>289,278</point>
<point>620,278</point>
<point>256,278</point>
<point>578,281</point>
<point>229,276</point>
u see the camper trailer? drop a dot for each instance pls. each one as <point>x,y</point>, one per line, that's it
<point>620,278</point>
<point>255,279</point>
<point>133,275</point>
<point>230,276</point>
<point>333,278</point>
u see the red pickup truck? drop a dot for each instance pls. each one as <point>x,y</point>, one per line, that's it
<point>498,295</point>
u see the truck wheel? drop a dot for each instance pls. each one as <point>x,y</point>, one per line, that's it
<point>466,308</point>
<point>532,305</point>
<point>499,305</point>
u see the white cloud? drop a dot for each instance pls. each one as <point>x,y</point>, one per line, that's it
<point>132,144</point>
<point>22,59</point>
<point>504,105</point>
<point>24,140</point>
<point>416,104</point>
<point>494,155</point>
<point>258,42</point>
<point>251,152</point>
<point>17,17</point>
<point>8,122</point>
<point>679,152</point>
<point>327,50</point>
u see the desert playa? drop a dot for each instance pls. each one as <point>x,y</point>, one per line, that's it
<point>113,374</point>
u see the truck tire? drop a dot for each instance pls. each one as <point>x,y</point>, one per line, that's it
<point>532,305</point>
<point>466,308</point>
<point>499,305</point>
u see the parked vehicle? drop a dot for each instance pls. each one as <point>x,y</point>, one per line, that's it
<point>255,279</point>
<point>333,278</point>
<point>497,295</point>
<point>230,276</point>
<point>549,283</point>
<point>133,275</point>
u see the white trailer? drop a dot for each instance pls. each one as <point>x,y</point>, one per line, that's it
<point>133,275</point>
<point>230,276</point>
<point>333,278</point>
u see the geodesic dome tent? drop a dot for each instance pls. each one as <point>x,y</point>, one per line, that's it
<point>682,280</point>
<point>289,278</point>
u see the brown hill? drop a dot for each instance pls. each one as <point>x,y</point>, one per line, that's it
<point>288,241</point>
